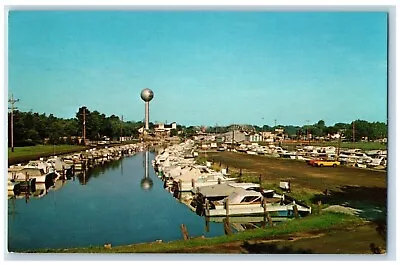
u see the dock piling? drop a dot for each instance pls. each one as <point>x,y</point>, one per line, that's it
<point>227,228</point>
<point>207,210</point>
<point>207,220</point>
<point>296,211</point>
<point>184,232</point>
<point>267,217</point>
<point>227,207</point>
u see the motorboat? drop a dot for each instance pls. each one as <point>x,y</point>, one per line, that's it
<point>243,202</point>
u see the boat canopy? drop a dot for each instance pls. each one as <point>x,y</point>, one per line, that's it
<point>193,173</point>
<point>176,171</point>
<point>245,185</point>
<point>242,195</point>
<point>217,190</point>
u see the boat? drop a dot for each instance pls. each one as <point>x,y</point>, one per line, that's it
<point>39,164</point>
<point>216,192</point>
<point>38,174</point>
<point>59,165</point>
<point>243,202</point>
<point>199,177</point>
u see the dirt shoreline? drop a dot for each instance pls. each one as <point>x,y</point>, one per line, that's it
<point>351,240</point>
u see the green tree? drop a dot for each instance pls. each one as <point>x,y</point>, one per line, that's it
<point>173,132</point>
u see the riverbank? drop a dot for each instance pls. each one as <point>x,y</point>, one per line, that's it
<point>342,233</point>
<point>25,154</point>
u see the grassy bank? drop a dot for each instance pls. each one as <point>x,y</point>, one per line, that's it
<point>23,154</point>
<point>313,223</point>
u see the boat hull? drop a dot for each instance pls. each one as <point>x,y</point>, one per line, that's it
<point>256,210</point>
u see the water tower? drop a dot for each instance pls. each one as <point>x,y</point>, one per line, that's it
<point>146,95</point>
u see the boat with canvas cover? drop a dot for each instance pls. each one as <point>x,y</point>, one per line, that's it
<point>243,202</point>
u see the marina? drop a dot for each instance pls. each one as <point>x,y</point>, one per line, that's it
<point>215,193</point>
<point>114,202</point>
<point>199,131</point>
<point>136,193</point>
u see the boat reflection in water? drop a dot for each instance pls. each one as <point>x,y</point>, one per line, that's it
<point>39,190</point>
<point>146,183</point>
<point>85,175</point>
<point>243,223</point>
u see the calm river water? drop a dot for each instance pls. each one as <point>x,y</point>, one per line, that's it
<point>107,205</point>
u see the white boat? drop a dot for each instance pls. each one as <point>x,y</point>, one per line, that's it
<point>38,174</point>
<point>58,164</point>
<point>195,178</point>
<point>246,202</point>
<point>38,164</point>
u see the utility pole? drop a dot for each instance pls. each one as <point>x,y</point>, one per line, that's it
<point>12,101</point>
<point>84,125</point>
<point>354,139</point>
<point>233,137</point>
<point>308,136</point>
<point>122,124</point>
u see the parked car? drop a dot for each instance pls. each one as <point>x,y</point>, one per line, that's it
<point>321,163</point>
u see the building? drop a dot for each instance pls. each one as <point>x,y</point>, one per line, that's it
<point>162,129</point>
<point>238,136</point>
<point>267,136</point>
<point>279,134</point>
<point>253,137</point>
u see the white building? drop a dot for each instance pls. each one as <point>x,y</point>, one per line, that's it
<point>164,129</point>
<point>254,137</point>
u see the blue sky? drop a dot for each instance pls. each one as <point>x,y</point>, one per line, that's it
<point>204,67</point>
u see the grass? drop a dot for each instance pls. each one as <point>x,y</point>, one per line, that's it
<point>312,223</point>
<point>21,154</point>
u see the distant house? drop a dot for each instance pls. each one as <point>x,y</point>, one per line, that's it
<point>253,137</point>
<point>279,134</point>
<point>238,136</point>
<point>267,136</point>
<point>164,129</point>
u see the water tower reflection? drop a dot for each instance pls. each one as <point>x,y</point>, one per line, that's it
<point>146,183</point>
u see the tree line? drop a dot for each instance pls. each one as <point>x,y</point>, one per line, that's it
<point>359,129</point>
<point>33,128</point>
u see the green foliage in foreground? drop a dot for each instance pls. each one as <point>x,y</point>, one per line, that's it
<point>42,150</point>
<point>325,221</point>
